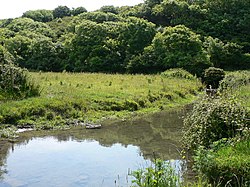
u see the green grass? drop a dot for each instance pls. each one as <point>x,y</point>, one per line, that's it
<point>232,164</point>
<point>95,96</point>
<point>234,156</point>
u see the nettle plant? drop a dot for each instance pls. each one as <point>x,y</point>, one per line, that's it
<point>15,82</point>
<point>212,119</point>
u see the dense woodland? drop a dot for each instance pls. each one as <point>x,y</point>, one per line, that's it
<point>147,38</point>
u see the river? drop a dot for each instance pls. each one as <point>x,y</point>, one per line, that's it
<point>92,157</point>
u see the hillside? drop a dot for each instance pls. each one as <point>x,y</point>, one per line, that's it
<point>147,38</point>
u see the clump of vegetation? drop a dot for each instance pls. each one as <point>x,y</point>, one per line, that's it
<point>15,83</point>
<point>8,132</point>
<point>178,73</point>
<point>218,131</point>
<point>213,76</point>
<point>234,80</point>
<point>114,39</point>
<point>213,119</point>
<point>226,163</point>
<point>175,47</point>
<point>162,174</point>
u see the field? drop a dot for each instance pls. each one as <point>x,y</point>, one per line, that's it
<point>93,97</point>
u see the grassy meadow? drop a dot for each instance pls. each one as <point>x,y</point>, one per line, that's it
<point>94,96</point>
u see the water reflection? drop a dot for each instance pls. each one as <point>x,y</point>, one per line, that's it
<point>81,157</point>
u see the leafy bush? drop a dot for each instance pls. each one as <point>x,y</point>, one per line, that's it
<point>234,80</point>
<point>5,56</point>
<point>213,76</point>
<point>213,119</point>
<point>14,82</point>
<point>178,73</point>
<point>39,15</point>
<point>159,175</point>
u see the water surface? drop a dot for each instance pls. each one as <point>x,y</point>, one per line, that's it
<point>101,157</point>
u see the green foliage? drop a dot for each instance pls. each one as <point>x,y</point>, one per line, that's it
<point>27,24</point>
<point>171,12</point>
<point>98,17</point>
<point>225,164</point>
<point>162,174</point>
<point>218,132</point>
<point>178,73</point>
<point>14,82</point>
<point>44,56</point>
<point>78,10</point>
<point>234,80</point>
<point>106,46</point>
<point>61,11</point>
<point>5,34</point>
<point>224,55</point>
<point>8,132</point>
<point>39,15</point>
<point>245,61</point>
<point>5,56</point>
<point>213,76</point>
<point>60,26</point>
<point>223,19</point>
<point>109,8</point>
<point>192,35</point>
<point>86,44</point>
<point>19,47</point>
<point>135,34</point>
<point>213,119</point>
<point>152,3</point>
<point>223,16</point>
<point>175,47</point>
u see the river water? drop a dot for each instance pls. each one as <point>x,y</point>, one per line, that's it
<point>92,157</point>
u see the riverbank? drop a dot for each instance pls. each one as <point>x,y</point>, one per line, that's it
<point>93,97</point>
<point>219,138</point>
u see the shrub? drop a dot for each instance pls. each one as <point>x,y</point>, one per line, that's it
<point>15,83</point>
<point>178,73</point>
<point>161,174</point>
<point>213,119</point>
<point>213,76</point>
<point>131,105</point>
<point>234,80</point>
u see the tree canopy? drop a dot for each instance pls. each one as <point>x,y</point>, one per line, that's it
<point>147,38</point>
<point>39,15</point>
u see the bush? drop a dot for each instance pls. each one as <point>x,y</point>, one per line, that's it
<point>15,83</point>
<point>213,119</point>
<point>213,76</point>
<point>234,80</point>
<point>162,174</point>
<point>178,73</point>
